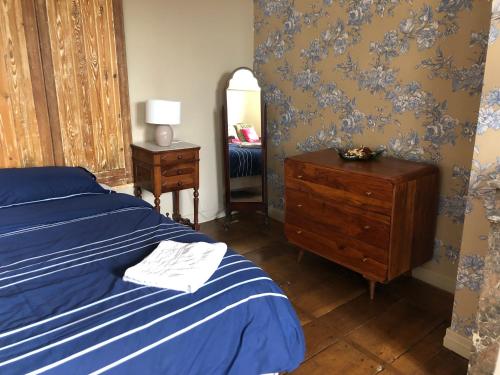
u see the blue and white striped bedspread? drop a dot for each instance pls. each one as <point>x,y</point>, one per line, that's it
<point>64,308</point>
<point>244,162</point>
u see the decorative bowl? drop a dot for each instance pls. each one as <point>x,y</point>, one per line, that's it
<point>367,154</point>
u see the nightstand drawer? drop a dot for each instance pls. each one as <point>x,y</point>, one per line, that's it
<point>180,182</point>
<point>179,156</point>
<point>178,169</point>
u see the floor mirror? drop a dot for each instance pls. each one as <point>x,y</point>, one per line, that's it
<point>244,145</point>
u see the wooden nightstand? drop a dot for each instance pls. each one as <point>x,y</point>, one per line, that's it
<point>167,169</point>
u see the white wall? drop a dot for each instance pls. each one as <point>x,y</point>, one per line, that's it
<point>185,50</point>
<point>244,107</point>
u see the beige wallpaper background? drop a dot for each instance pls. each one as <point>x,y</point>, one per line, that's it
<point>404,75</point>
<point>481,197</point>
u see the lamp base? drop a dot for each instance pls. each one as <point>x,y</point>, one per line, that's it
<point>164,135</point>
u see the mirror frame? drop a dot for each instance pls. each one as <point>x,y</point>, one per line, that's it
<point>241,206</point>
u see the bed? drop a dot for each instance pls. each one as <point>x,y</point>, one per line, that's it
<point>244,162</point>
<point>65,309</point>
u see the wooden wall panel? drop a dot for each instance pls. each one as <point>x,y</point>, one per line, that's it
<point>86,55</point>
<point>25,138</point>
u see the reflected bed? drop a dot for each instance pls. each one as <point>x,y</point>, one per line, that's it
<point>244,162</point>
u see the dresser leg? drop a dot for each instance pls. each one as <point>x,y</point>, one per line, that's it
<point>301,254</point>
<point>372,289</point>
<point>196,202</point>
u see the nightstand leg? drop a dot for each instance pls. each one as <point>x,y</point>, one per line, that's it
<point>175,207</point>
<point>138,191</point>
<point>196,202</point>
<point>157,203</point>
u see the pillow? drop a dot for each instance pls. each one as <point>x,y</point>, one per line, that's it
<point>28,185</point>
<point>231,132</point>
<point>239,128</point>
<point>250,135</point>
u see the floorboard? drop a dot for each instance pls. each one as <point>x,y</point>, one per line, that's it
<point>400,332</point>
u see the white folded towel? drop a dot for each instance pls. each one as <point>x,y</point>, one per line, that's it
<point>178,266</point>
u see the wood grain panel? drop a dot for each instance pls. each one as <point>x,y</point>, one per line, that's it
<point>339,196</point>
<point>25,138</point>
<point>352,222</point>
<point>365,186</point>
<point>339,250</point>
<point>85,38</point>
<point>403,228</point>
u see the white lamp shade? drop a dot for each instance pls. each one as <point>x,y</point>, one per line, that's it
<point>163,112</point>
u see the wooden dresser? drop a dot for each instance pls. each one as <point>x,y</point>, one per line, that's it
<point>167,169</point>
<point>376,217</point>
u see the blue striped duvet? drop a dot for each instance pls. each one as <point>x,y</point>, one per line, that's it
<point>64,308</point>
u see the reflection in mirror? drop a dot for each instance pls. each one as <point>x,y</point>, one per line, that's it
<point>244,130</point>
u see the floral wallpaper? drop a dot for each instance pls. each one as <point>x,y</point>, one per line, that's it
<point>405,75</point>
<point>480,202</point>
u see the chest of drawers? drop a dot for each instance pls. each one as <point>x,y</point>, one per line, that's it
<point>375,217</point>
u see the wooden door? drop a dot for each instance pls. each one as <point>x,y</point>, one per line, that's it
<point>25,138</point>
<point>83,51</point>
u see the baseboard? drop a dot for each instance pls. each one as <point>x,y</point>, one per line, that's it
<point>436,279</point>
<point>276,214</point>
<point>457,343</point>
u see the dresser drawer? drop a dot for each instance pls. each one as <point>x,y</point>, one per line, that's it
<point>320,215</point>
<point>179,169</point>
<point>179,156</point>
<point>355,187</point>
<point>341,251</point>
<point>379,254</point>
<point>180,182</point>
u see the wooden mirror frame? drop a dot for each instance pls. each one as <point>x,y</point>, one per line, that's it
<point>242,206</point>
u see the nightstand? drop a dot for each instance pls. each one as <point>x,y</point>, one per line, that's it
<point>167,170</point>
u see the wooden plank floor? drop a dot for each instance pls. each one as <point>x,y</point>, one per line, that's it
<point>400,332</point>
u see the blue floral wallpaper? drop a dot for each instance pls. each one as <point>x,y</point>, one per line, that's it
<point>480,202</point>
<point>400,74</point>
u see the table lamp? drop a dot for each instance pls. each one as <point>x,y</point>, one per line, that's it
<point>163,114</point>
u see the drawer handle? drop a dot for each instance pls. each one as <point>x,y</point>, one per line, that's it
<point>300,176</point>
<point>179,183</point>
<point>179,171</point>
<point>369,193</point>
<point>299,232</point>
<point>366,227</point>
<point>299,205</point>
<point>365,259</point>
<point>179,156</point>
